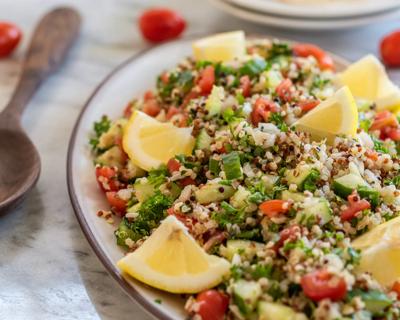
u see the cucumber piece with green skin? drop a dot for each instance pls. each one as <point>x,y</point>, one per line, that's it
<point>239,199</point>
<point>246,294</point>
<point>295,196</point>
<point>214,101</point>
<point>269,181</point>
<point>232,166</point>
<point>317,210</point>
<point>108,138</point>
<point>277,311</point>
<point>113,157</point>
<point>203,140</point>
<point>375,301</point>
<point>213,192</point>
<point>143,189</point>
<point>214,166</point>
<point>300,175</point>
<point>244,248</point>
<point>346,184</point>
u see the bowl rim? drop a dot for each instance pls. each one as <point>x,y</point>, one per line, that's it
<point>144,303</point>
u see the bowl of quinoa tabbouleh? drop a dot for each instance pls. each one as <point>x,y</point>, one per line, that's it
<point>251,179</point>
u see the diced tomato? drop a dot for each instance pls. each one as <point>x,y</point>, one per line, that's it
<point>273,208</point>
<point>384,119</point>
<point>393,134</point>
<point>245,85</point>
<point>107,179</point>
<point>160,24</point>
<point>128,110</point>
<point>355,205</point>
<point>308,105</point>
<point>396,288</point>
<point>325,61</point>
<point>186,181</point>
<point>165,77</point>
<point>185,219</point>
<point>206,80</point>
<point>117,204</point>
<point>151,107</point>
<point>288,233</point>
<point>148,95</point>
<point>321,284</point>
<point>261,110</point>
<point>390,49</point>
<point>173,165</point>
<point>212,305</point>
<point>283,90</point>
<point>172,110</point>
<point>191,95</point>
<point>371,154</point>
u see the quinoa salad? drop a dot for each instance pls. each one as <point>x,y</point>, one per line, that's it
<point>282,207</point>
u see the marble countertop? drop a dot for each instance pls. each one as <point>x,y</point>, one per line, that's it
<point>47,269</point>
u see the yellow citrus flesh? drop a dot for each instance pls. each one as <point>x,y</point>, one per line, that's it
<point>171,260</point>
<point>337,115</point>
<point>150,143</point>
<point>380,252</point>
<point>220,47</point>
<point>367,79</point>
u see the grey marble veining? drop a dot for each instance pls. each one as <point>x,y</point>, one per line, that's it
<point>47,269</point>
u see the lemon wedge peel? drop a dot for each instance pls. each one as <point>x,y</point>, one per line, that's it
<point>334,116</point>
<point>171,260</point>
<point>367,79</point>
<point>220,47</point>
<point>380,252</point>
<point>150,143</point>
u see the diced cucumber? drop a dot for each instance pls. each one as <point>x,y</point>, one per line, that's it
<point>375,301</point>
<point>213,192</point>
<point>107,139</point>
<point>203,140</point>
<point>345,185</point>
<point>316,210</point>
<point>232,167</point>
<point>269,181</point>
<point>174,190</point>
<point>214,166</point>
<point>113,157</point>
<point>244,248</point>
<point>214,101</point>
<point>239,199</point>
<point>143,189</point>
<point>246,294</point>
<point>274,78</point>
<point>277,311</point>
<point>133,171</point>
<point>295,196</point>
<point>300,175</point>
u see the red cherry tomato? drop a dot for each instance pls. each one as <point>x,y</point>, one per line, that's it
<point>206,79</point>
<point>308,105</point>
<point>321,284</point>
<point>212,305</point>
<point>173,165</point>
<point>107,179</point>
<point>273,208</point>
<point>325,61</point>
<point>390,49</point>
<point>117,204</point>
<point>283,90</point>
<point>261,110</point>
<point>10,36</point>
<point>161,24</point>
<point>245,85</point>
<point>355,205</point>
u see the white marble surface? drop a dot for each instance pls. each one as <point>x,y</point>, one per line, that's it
<point>47,269</point>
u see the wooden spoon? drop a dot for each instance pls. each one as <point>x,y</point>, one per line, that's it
<point>19,159</point>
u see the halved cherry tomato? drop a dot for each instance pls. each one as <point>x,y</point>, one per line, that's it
<point>308,105</point>
<point>172,110</point>
<point>173,165</point>
<point>206,79</point>
<point>283,90</point>
<point>107,179</point>
<point>384,119</point>
<point>273,208</point>
<point>325,61</point>
<point>261,110</point>
<point>151,107</point>
<point>10,36</point>
<point>186,181</point>
<point>245,85</point>
<point>117,204</point>
<point>321,284</point>
<point>356,204</point>
<point>160,24</point>
<point>212,305</point>
<point>396,288</point>
<point>390,49</point>
<point>288,233</point>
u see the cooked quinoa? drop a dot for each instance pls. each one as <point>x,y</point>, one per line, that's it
<point>248,154</point>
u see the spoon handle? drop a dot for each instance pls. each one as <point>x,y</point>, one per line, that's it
<point>51,40</point>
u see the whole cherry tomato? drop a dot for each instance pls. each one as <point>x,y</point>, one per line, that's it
<point>325,61</point>
<point>212,305</point>
<point>161,24</point>
<point>10,35</point>
<point>321,284</point>
<point>390,49</point>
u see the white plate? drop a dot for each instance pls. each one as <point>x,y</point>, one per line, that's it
<point>329,9</point>
<point>131,79</point>
<point>305,24</point>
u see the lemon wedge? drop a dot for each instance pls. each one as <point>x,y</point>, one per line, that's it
<point>367,79</point>
<point>150,143</point>
<point>220,47</point>
<point>171,260</point>
<point>337,115</point>
<point>380,252</point>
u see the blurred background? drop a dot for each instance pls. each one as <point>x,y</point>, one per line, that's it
<point>47,269</point>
